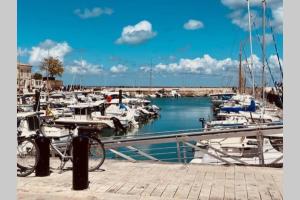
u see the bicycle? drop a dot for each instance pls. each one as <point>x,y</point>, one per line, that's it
<point>63,149</point>
<point>28,155</point>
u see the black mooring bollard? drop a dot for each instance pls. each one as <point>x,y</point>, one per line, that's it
<point>80,162</point>
<point>43,165</point>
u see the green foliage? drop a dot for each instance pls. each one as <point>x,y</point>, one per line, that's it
<point>37,76</point>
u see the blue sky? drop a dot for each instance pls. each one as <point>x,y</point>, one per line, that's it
<point>188,42</point>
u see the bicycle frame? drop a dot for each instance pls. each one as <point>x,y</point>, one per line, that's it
<point>55,146</point>
<point>67,144</point>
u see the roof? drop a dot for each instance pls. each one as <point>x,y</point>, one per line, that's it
<point>23,64</point>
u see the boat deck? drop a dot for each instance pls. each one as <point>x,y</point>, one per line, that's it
<point>144,180</point>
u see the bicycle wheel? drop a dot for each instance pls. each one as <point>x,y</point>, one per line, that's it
<point>96,153</point>
<point>28,155</point>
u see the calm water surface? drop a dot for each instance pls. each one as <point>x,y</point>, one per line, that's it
<point>176,114</point>
<point>179,114</point>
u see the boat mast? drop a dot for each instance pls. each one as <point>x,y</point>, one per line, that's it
<point>251,52</point>
<point>263,50</point>
<point>241,78</point>
<point>150,78</point>
<point>47,73</point>
<point>81,63</point>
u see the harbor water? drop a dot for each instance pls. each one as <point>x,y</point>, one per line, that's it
<point>176,114</point>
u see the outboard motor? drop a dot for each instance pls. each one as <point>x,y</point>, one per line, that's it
<point>118,124</point>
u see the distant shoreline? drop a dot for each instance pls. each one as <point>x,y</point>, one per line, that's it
<point>183,91</point>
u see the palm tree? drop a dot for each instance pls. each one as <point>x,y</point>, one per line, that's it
<point>52,66</point>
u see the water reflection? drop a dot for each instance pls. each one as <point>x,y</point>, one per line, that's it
<point>175,114</point>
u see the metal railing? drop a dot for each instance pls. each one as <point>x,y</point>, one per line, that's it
<point>259,145</point>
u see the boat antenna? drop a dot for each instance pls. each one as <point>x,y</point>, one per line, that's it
<point>251,52</point>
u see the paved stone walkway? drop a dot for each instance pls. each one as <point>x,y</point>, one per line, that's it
<point>142,180</point>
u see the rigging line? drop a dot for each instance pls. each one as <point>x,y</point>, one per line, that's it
<point>247,75</point>
<point>277,55</point>
<point>272,77</point>
<point>246,59</point>
<point>276,88</point>
<point>254,26</point>
<point>275,44</point>
<point>266,60</point>
<point>228,74</point>
<point>250,43</point>
<point>247,63</point>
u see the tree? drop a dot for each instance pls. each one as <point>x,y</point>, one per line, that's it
<point>52,66</point>
<point>37,76</point>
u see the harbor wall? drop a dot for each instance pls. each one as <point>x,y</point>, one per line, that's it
<point>183,91</point>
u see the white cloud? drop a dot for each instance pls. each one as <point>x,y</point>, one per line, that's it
<point>241,19</point>
<point>193,24</point>
<point>48,48</point>
<point>273,61</point>
<point>145,68</point>
<point>83,67</point>
<point>136,34</point>
<point>236,4</point>
<point>208,65</point>
<point>256,61</point>
<point>91,13</point>
<point>161,67</point>
<point>239,14</point>
<point>118,69</point>
<point>204,65</point>
<point>277,21</point>
<point>268,38</point>
<point>22,51</point>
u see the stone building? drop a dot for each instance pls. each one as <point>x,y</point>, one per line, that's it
<point>24,76</point>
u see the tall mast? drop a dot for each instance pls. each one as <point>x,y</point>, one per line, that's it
<point>263,49</point>
<point>150,81</point>
<point>81,63</point>
<point>241,78</point>
<point>251,52</point>
<point>47,87</point>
